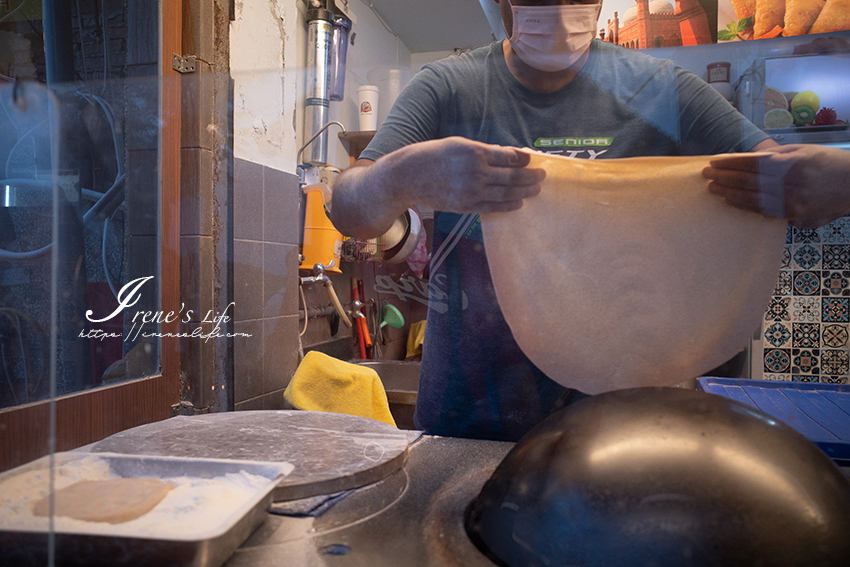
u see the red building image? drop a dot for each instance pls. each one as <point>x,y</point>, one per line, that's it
<point>659,23</point>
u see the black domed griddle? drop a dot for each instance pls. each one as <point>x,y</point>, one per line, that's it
<point>663,477</point>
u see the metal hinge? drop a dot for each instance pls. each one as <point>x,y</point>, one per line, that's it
<point>183,64</point>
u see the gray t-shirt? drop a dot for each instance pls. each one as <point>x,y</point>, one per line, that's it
<point>475,381</point>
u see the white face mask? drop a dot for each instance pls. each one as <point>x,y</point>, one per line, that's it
<point>551,38</point>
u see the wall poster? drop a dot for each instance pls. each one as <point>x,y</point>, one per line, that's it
<point>640,24</point>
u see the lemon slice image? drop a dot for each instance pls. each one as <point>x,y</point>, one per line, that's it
<point>778,118</point>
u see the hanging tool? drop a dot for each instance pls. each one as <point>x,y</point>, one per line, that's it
<point>392,317</point>
<point>368,337</point>
<point>358,317</point>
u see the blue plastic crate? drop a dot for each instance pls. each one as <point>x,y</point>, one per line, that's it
<point>821,412</point>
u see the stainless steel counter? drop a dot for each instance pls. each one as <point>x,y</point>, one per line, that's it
<point>412,518</point>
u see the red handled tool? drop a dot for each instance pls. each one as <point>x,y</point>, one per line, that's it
<point>358,315</point>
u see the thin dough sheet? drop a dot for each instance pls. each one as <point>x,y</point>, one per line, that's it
<point>628,272</point>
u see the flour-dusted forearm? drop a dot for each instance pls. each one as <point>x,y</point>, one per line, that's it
<point>453,175</point>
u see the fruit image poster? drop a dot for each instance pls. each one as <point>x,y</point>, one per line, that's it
<point>744,20</point>
<point>806,92</point>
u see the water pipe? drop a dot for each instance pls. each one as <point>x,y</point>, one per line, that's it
<point>320,277</point>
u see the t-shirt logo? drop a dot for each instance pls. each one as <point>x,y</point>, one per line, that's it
<point>566,142</point>
<point>574,146</point>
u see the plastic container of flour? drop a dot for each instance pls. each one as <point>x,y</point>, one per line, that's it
<point>212,509</point>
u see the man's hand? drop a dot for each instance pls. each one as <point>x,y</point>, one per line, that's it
<point>463,176</point>
<point>806,184</point>
<point>452,174</point>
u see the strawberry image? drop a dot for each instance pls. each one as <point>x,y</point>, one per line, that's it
<point>825,117</point>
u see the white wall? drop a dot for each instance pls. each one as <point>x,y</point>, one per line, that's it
<point>268,54</point>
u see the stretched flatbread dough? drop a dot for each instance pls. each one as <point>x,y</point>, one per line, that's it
<point>114,501</point>
<point>834,17</point>
<point>628,272</point>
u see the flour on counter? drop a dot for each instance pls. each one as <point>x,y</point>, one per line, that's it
<point>195,507</point>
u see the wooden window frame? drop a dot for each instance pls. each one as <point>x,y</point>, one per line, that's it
<point>89,416</point>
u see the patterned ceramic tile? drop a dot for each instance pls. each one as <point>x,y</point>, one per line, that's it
<point>835,362</point>
<point>806,236</point>
<point>836,232</point>
<point>805,361</point>
<point>786,258</point>
<point>807,257</point>
<point>807,324</point>
<point>805,309</point>
<point>805,335</point>
<point>778,377</point>
<point>834,336</point>
<point>806,283</point>
<point>804,378</point>
<point>835,283</point>
<point>777,334</point>
<point>836,310</point>
<point>783,283</point>
<point>777,310</point>
<point>836,256</point>
<point>777,360</point>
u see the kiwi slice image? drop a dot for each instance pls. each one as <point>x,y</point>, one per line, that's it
<point>803,114</point>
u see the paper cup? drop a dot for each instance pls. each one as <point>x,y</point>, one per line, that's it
<point>367,100</point>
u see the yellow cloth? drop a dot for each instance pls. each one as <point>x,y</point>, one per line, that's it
<point>324,383</point>
<point>415,338</point>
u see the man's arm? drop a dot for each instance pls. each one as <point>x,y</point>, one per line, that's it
<point>452,174</point>
<point>806,184</point>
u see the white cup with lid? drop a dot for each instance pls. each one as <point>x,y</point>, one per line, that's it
<point>367,101</point>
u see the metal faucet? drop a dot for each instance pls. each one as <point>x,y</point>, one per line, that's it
<point>318,274</point>
<point>320,277</point>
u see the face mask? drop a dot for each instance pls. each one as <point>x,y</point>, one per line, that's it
<point>551,38</point>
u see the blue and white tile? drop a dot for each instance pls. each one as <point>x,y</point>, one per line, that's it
<point>777,309</point>
<point>804,378</point>
<point>786,258</point>
<point>805,282</point>
<point>806,309</point>
<point>835,362</point>
<point>836,256</point>
<point>806,236</point>
<point>806,257</point>
<point>777,360</point>
<point>777,334</point>
<point>834,335</point>
<point>836,309</point>
<point>835,282</point>
<point>783,283</point>
<point>778,377</point>
<point>836,232</point>
<point>805,335</point>
<point>805,361</point>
